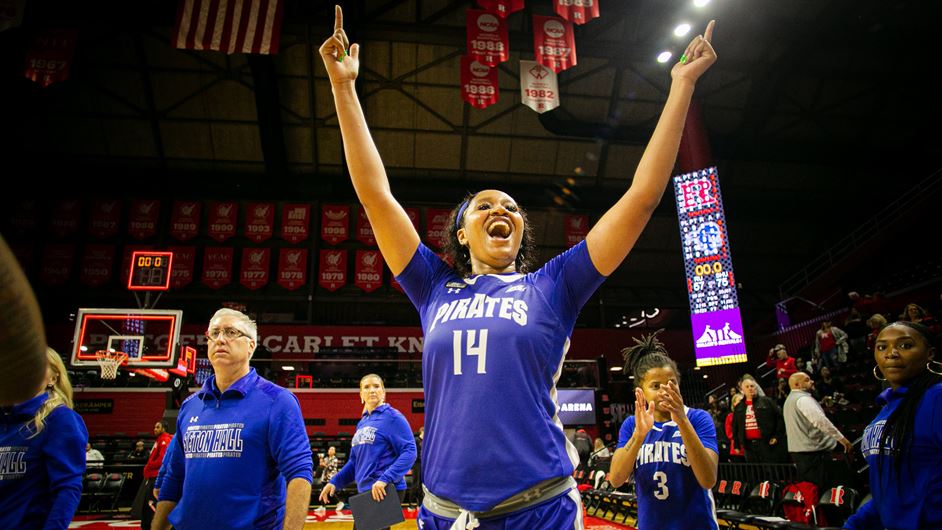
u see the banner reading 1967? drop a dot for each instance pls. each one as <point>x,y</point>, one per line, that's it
<point>711,286</point>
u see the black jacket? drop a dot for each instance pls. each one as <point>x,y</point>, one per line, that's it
<point>768,416</point>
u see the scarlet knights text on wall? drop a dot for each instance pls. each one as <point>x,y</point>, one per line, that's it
<point>539,89</point>
<point>332,273</point>
<point>217,267</point>
<point>254,272</point>
<point>259,221</point>
<point>577,11</point>
<point>142,219</point>
<point>478,83</point>
<point>50,56</point>
<point>554,43</point>
<point>501,8</point>
<point>292,268</point>
<point>185,220</point>
<point>295,222</point>
<point>368,273</point>
<point>488,42</point>
<point>335,223</point>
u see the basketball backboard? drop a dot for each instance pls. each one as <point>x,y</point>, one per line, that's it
<point>149,336</point>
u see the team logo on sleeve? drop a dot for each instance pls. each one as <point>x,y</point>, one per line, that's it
<point>12,462</point>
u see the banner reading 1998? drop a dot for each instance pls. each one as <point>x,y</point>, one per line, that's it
<point>711,287</point>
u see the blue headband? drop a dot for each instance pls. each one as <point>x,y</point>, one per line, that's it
<point>461,209</point>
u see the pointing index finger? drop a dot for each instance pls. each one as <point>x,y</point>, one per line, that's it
<point>707,35</point>
<point>338,19</point>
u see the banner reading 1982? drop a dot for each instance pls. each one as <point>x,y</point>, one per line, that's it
<point>711,286</point>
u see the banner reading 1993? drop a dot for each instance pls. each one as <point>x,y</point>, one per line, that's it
<point>711,286</point>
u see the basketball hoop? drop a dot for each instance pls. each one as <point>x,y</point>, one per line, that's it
<point>109,362</point>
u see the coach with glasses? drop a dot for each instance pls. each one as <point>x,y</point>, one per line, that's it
<point>241,452</point>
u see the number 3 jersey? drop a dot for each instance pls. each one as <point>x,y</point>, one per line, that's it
<point>493,351</point>
<point>669,496</point>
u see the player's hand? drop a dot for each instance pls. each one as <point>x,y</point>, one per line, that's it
<point>379,490</point>
<point>697,58</point>
<point>328,490</point>
<point>773,441</point>
<point>670,396</point>
<point>848,445</point>
<point>341,60</point>
<point>644,414</point>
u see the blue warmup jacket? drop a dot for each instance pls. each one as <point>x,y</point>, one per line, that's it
<point>40,477</point>
<point>233,455</point>
<point>383,448</point>
<point>912,498</point>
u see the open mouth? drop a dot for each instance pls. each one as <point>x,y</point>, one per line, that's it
<point>499,228</point>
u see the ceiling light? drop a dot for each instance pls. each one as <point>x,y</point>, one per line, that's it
<point>664,57</point>
<point>682,29</point>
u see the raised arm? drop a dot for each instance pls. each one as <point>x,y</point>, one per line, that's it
<point>615,234</point>
<point>395,234</point>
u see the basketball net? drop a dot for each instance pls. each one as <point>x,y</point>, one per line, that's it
<point>109,361</point>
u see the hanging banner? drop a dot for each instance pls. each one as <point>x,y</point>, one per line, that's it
<point>554,43</point>
<point>222,217</point>
<point>332,273</point>
<point>104,217</point>
<point>501,8</point>
<point>292,268</point>
<point>255,266</point>
<point>577,11</point>
<point>97,264</point>
<point>217,267</point>
<point>184,261</point>
<point>295,222</point>
<point>488,41</point>
<point>11,13</point>
<point>368,272</point>
<point>577,227</point>
<point>25,217</point>
<point>435,221</point>
<point>478,83</point>
<point>56,267</point>
<point>539,89</point>
<point>142,219</point>
<point>335,223</point>
<point>364,229</point>
<point>64,220</point>
<point>711,285</point>
<point>50,56</point>
<point>259,221</point>
<point>185,220</point>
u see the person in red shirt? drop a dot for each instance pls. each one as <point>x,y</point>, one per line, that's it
<point>145,495</point>
<point>736,452</point>
<point>784,364</point>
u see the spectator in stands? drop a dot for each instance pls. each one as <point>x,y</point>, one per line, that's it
<point>915,313</point>
<point>781,392</point>
<point>784,364</point>
<point>241,456</point>
<point>583,444</point>
<point>802,365</point>
<point>758,425</point>
<point>811,435</point>
<point>669,448</point>
<point>737,454</point>
<point>144,501</point>
<point>856,330</point>
<point>830,344</point>
<point>876,323</point>
<point>331,464</point>
<point>383,449</point>
<point>903,444</point>
<point>827,383</point>
<point>600,450</point>
<point>138,453</point>
<point>93,457</point>
<point>41,461</point>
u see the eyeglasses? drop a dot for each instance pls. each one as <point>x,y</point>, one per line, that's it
<point>229,333</point>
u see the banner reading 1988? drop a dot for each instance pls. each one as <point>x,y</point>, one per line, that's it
<point>711,286</point>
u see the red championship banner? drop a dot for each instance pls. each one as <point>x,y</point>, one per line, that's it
<point>368,272</point>
<point>222,218</point>
<point>488,42</point>
<point>142,219</point>
<point>295,222</point>
<point>478,83</point>
<point>577,11</point>
<point>259,221</point>
<point>577,227</point>
<point>64,220</point>
<point>364,230</point>
<point>554,43</point>
<point>11,13</point>
<point>292,268</point>
<point>185,220</point>
<point>25,217</point>
<point>335,223</point>
<point>413,214</point>
<point>56,267</point>
<point>103,218</point>
<point>217,267</point>
<point>539,89</point>
<point>332,273</point>
<point>97,264</point>
<point>501,8</point>
<point>255,266</point>
<point>184,260</point>
<point>436,220</point>
<point>50,56</point>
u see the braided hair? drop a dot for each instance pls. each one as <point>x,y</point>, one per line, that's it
<point>896,438</point>
<point>647,353</point>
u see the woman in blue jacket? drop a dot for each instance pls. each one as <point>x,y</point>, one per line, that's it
<point>42,456</point>
<point>903,444</point>
<point>382,450</point>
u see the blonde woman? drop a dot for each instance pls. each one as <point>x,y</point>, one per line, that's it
<point>42,456</point>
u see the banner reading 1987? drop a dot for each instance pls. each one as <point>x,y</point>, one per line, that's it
<point>711,286</point>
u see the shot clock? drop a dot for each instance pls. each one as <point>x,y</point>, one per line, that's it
<point>150,271</point>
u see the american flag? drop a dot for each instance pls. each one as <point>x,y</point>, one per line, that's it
<point>229,26</point>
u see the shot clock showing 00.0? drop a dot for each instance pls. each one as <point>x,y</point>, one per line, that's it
<point>150,271</point>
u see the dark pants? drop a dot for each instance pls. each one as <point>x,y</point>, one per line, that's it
<point>814,467</point>
<point>141,508</point>
<point>760,452</point>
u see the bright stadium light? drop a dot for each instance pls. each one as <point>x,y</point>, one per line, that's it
<point>664,57</point>
<point>682,29</point>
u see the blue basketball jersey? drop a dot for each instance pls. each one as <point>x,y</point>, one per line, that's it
<point>669,496</point>
<point>493,351</point>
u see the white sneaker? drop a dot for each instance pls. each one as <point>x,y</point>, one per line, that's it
<point>340,506</point>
